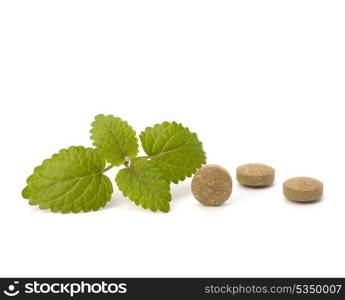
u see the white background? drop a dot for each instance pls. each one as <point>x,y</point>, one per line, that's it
<point>259,81</point>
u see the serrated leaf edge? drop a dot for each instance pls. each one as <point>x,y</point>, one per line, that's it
<point>37,169</point>
<point>126,192</point>
<point>192,171</point>
<point>124,121</point>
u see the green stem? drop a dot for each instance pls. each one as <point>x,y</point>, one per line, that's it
<point>108,168</point>
<point>126,164</point>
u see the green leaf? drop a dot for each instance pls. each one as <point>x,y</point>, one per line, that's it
<point>176,150</point>
<point>70,181</point>
<point>145,184</point>
<point>114,139</point>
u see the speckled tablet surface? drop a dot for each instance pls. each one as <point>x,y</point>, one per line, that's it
<point>255,175</point>
<point>212,185</point>
<point>303,189</point>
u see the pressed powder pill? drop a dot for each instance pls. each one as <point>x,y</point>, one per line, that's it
<point>212,185</point>
<point>303,189</point>
<point>255,175</point>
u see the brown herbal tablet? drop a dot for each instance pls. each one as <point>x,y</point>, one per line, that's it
<point>212,185</point>
<point>255,175</point>
<point>303,189</point>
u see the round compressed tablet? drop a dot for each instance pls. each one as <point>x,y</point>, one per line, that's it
<point>255,175</point>
<point>212,185</point>
<point>303,189</point>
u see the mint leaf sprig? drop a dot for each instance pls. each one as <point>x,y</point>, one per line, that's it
<point>73,180</point>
